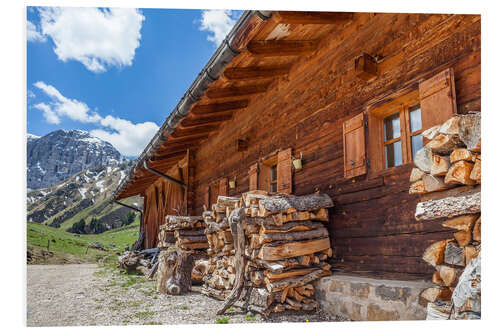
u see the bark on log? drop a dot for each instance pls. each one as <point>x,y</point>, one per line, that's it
<point>289,250</point>
<point>470,131</point>
<point>293,236</point>
<point>174,272</point>
<point>449,207</point>
<point>181,222</point>
<point>438,311</point>
<point>454,255</point>
<point>283,203</point>
<point>423,159</point>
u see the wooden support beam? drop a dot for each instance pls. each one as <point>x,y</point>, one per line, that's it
<point>293,17</point>
<point>219,107</point>
<point>190,122</point>
<point>235,91</point>
<point>166,157</point>
<point>181,132</point>
<point>255,72</point>
<point>273,48</point>
<point>365,67</point>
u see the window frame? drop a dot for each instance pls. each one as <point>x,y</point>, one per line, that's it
<point>265,173</point>
<point>376,114</point>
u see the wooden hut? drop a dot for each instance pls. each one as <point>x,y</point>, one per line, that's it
<point>347,94</point>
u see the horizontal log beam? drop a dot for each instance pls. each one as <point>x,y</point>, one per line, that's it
<point>293,17</point>
<point>271,48</point>
<point>236,91</point>
<point>255,72</point>
<point>219,107</point>
<point>190,122</point>
<point>184,132</point>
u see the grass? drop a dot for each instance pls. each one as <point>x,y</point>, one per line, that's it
<point>222,320</point>
<point>60,241</point>
<point>185,307</point>
<point>250,318</point>
<point>143,314</point>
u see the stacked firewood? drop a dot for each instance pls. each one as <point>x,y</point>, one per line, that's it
<point>451,159</point>
<point>220,275</point>
<point>188,233</point>
<point>286,247</point>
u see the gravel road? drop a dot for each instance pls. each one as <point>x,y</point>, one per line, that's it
<point>87,294</point>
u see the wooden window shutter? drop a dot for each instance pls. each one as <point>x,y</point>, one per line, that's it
<point>223,187</point>
<point>285,171</point>
<point>437,98</point>
<point>253,177</point>
<point>354,146</point>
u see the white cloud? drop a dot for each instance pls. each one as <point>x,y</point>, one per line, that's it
<point>48,113</point>
<point>127,137</point>
<point>71,108</point>
<point>98,38</point>
<point>33,34</point>
<point>218,22</point>
<point>130,139</point>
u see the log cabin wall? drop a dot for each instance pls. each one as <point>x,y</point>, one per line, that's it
<point>372,227</point>
<point>163,198</point>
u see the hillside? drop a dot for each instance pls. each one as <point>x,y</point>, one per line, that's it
<point>61,154</point>
<point>85,195</point>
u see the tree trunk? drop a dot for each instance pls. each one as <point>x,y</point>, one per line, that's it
<point>282,203</point>
<point>449,207</point>
<point>174,272</point>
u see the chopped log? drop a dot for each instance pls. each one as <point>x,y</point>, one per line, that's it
<point>253,197</point>
<point>449,275</point>
<point>438,311</point>
<point>182,222</point>
<point>459,173</point>
<point>434,184</point>
<point>260,297</point>
<point>416,174</point>
<point>306,290</point>
<point>328,252</point>
<point>291,227</point>
<point>304,260</point>
<point>194,246</point>
<point>463,237</point>
<point>443,144</point>
<point>434,254</point>
<point>469,131</point>
<point>257,277</point>
<point>227,201</point>
<point>434,294</point>
<point>293,236</point>
<point>476,232</point>
<point>295,272</point>
<point>464,222</point>
<point>470,253</point>
<point>475,174</point>
<point>320,215</point>
<point>423,159</point>
<point>460,154</point>
<point>449,207</point>
<point>453,255</point>
<point>431,133</point>
<point>278,266</point>
<point>436,279</point>
<point>417,187</point>
<point>451,126</point>
<point>289,250</point>
<point>174,272</point>
<point>295,281</point>
<point>188,239</point>
<point>440,165</point>
<point>285,203</point>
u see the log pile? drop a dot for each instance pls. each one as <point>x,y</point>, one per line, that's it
<point>187,231</point>
<point>220,276</point>
<point>284,248</point>
<point>451,158</point>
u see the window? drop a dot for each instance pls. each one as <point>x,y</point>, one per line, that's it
<point>273,174</point>
<point>268,176</point>
<point>395,132</point>
<point>273,178</point>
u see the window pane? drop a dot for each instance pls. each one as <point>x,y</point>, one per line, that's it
<point>393,155</point>
<point>274,173</point>
<point>415,118</point>
<point>274,187</point>
<point>416,144</point>
<point>392,129</point>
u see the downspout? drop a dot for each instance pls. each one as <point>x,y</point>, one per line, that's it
<point>138,244</point>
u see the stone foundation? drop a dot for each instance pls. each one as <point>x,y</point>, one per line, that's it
<point>359,298</point>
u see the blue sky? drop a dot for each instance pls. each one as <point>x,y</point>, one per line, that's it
<point>115,73</point>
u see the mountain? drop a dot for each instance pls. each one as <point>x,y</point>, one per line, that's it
<point>61,154</point>
<point>85,195</point>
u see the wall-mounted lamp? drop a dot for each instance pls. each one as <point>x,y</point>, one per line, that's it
<point>297,163</point>
<point>232,183</point>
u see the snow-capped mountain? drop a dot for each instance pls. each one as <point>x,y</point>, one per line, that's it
<point>61,154</point>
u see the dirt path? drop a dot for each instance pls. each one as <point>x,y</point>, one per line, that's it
<point>74,295</point>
